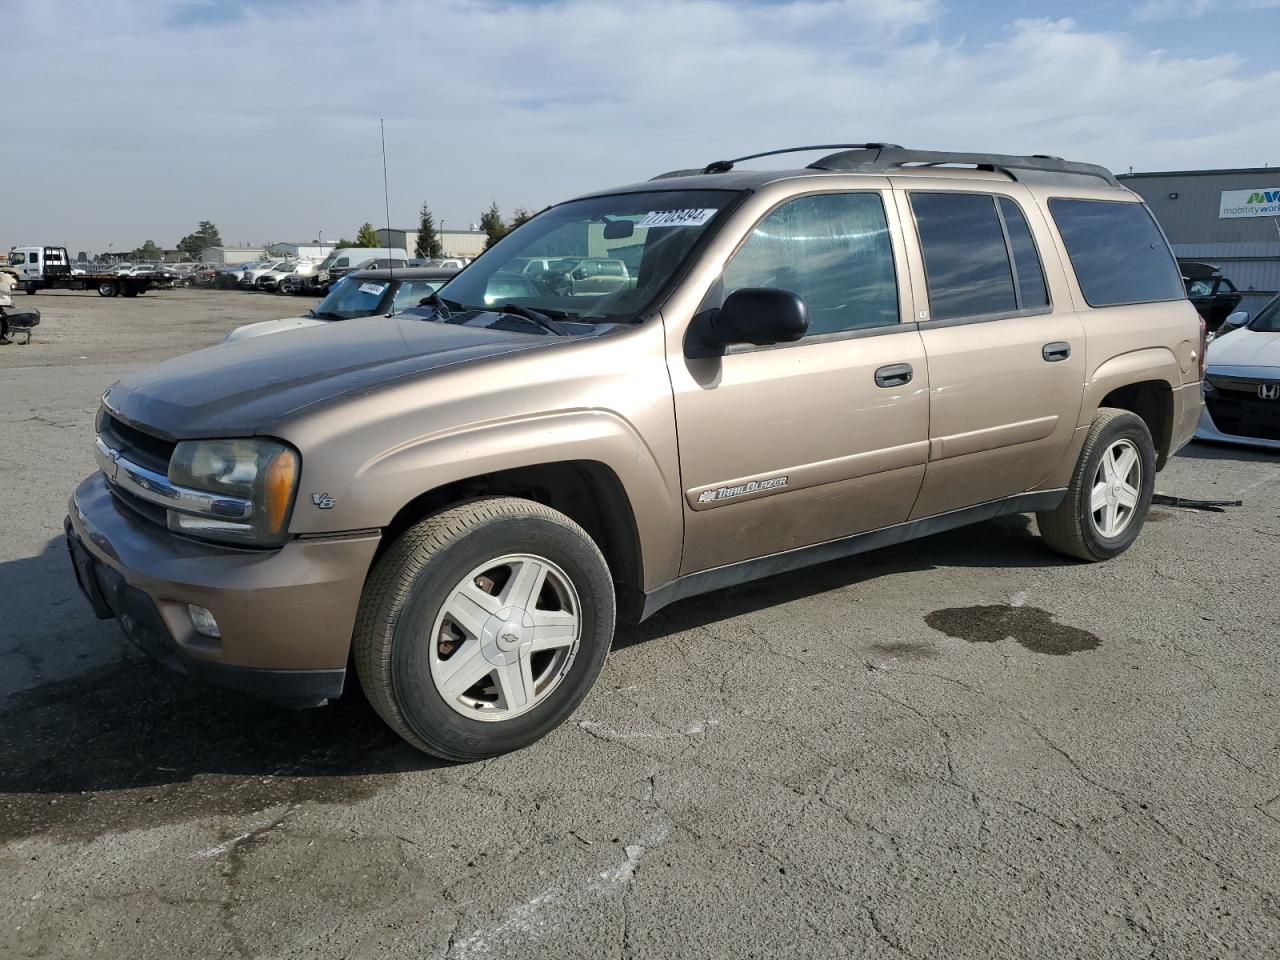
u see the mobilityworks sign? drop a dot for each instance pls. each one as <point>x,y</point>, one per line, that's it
<point>1262,202</point>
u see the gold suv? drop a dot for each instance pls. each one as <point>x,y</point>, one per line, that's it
<point>794,366</point>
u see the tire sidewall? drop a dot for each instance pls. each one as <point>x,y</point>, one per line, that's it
<point>422,707</point>
<point>1129,427</point>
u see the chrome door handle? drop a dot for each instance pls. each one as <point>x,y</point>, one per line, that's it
<point>1053,352</point>
<point>894,375</point>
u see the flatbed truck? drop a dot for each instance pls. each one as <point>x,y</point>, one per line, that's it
<point>49,268</point>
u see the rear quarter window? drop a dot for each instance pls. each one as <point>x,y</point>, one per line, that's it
<point>1117,252</point>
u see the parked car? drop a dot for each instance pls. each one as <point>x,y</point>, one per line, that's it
<point>813,363</point>
<point>445,263</point>
<point>251,273</point>
<point>227,276</point>
<point>1242,381</point>
<point>365,293</point>
<point>1213,295</point>
<point>373,263</point>
<point>344,259</point>
<point>270,280</point>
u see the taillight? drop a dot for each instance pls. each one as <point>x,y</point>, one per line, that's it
<point>1204,344</point>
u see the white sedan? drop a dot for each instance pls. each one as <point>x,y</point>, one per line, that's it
<point>1242,381</point>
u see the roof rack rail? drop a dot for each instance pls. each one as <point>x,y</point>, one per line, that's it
<point>724,166</point>
<point>879,158</point>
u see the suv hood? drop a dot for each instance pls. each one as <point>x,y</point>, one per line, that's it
<point>248,386</point>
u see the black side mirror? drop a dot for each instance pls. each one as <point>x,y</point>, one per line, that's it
<point>759,316</point>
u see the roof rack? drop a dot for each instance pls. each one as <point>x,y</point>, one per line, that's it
<point>724,166</point>
<point>1038,167</point>
<point>886,157</point>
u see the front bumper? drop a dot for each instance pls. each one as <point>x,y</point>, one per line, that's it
<point>285,615</point>
<point>1208,430</point>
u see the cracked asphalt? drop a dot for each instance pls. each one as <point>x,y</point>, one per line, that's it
<point>961,747</point>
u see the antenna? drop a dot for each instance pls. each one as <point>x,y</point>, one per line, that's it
<point>386,199</point>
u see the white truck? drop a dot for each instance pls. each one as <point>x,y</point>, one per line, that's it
<point>49,268</point>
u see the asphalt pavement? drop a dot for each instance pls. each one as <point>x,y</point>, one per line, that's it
<point>966,746</point>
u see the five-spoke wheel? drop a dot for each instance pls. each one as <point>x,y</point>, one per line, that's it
<point>482,627</point>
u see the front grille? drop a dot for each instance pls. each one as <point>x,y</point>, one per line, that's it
<point>137,446</point>
<point>1236,414</point>
<point>1237,384</point>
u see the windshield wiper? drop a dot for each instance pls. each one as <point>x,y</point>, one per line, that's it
<point>442,306</point>
<point>541,319</point>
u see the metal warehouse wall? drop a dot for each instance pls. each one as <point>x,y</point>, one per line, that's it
<point>1246,248</point>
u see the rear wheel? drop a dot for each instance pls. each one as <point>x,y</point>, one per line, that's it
<point>1109,493</point>
<point>107,288</point>
<point>483,627</point>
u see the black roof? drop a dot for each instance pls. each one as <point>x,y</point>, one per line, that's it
<point>405,273</point>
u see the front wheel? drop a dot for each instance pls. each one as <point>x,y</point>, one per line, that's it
<point>483,627</point>
<point>1110,490</point>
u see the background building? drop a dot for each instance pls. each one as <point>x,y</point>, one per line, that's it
<point>229,256</point>
<point>1226,217</point>
<point>457,243</point>
<point>308,249</point>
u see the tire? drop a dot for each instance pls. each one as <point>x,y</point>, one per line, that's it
<point>404,630</point>
<point>107,288</point>
<point>1075,528</point>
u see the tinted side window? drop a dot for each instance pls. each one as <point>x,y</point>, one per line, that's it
<point>966,261</point>
<point>1026,261</point>
<point>831,249</point>
<point>1117,252</point>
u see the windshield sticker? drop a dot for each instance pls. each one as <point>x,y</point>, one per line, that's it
<point>676,218</point>
<point>375,288</point>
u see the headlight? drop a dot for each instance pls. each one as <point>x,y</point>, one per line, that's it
<point>264,472</point>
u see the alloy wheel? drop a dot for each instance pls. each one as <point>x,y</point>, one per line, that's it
<point>1117,483</point>
<point>505,637</point>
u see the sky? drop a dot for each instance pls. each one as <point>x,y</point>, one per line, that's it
<point>130,120</point>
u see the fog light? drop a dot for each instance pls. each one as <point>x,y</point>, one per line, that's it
<point>203,621</point>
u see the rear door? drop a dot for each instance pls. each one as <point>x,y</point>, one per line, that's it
<point>794,444</point>
<point>1005,347</point>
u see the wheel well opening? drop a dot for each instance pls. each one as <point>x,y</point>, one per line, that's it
<point>1152,400</point>
<point>587,492</point>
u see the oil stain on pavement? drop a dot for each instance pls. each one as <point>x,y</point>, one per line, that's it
<point>1033,628</point>
<point>132,745</point>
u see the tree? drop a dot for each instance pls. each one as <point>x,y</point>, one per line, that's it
<point>366,236</point>
<point>491,224</point>
<point>429,246</point>
<point>519,216</point>
<point>205,235</point>
<point>148,251</point>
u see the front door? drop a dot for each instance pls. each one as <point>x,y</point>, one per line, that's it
<point>794,444</point>
<point>1006,370</point>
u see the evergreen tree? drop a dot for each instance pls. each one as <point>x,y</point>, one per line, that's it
<point>491,224</point>
<point>520,215</point>
<point>429,246</point>
<point>366,236</point>
<point>205,235</point>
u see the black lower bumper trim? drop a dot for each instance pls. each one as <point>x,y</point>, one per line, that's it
<point>112,598</point>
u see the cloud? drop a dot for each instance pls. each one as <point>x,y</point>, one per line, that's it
<point>1156,11</point>
<point>265,118</point>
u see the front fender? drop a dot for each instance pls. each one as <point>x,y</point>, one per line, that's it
<point>394,478</point>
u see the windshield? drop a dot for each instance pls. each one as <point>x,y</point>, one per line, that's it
<point>350,298</point>
<point>1268,318</point>
<point>600,258</point>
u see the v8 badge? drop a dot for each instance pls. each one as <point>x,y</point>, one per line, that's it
<point>323,501</point>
